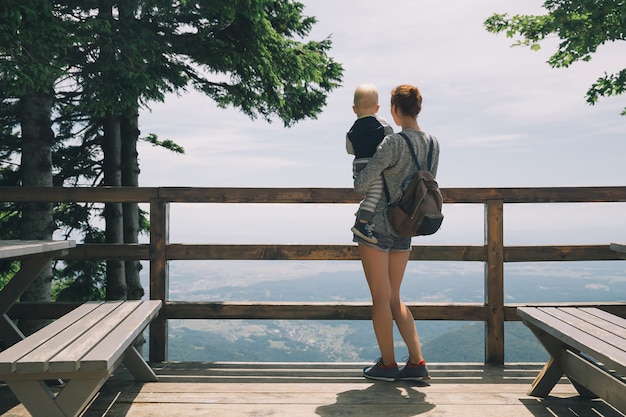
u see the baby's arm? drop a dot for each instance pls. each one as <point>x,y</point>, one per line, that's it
<point>349,147</point>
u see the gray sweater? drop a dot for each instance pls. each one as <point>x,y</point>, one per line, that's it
<point>393,160</point>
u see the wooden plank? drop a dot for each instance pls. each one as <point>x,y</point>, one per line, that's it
<point>426,311</point>
<point>40,401</point>
<point>404,394</point>
<point>41,309</point>
<point>37,398</point>
<point>302,195</point>
<point>620,249</point>
<point>137,366</point>
<point>559,253</point>
<point>586,338</point>
<point>233,389</point>
<point>347,195</point>
<point>595,380</point>
<point>591,325</point>
<point>101,194</point>
<point>159,275</point>
<point>104,251</point>
<point>494,282</point>
<point>313,252</point>
<point>259,195</point>
<point>546,379</point>
<point>618,321</point>
<point>478,253</point>
<point>294,311</point>
<point>316,311</point>
<point>36,361</point>
<point>536,195</point>
<point>112,346</point>
<point>20,282</point>
<point>604,322</point>
<point>21,248</point>
<point>34,256</point>
<point>9,356</point>
<point>13,290</point>
<point>339,390</point>
<point>77,394</point>
<point>616,308</point>
<point>572,336</point>
<point>70,358</point>
<point>315,410</point>
<point>11,334</point>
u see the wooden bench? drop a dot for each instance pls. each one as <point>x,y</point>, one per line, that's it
<point>82,348</point>
<point>588,345</point>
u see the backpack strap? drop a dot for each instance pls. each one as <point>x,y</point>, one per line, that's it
<point>408,143</point>
<point>430,151</point>
<point>430,154</point>
<point>414,156</point>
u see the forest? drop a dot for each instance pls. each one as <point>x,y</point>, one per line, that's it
<point>74,75</point>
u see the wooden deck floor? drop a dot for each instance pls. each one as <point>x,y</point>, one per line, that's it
<point>328,390</point>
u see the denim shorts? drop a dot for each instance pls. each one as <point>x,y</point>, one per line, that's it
<point>387,243</point>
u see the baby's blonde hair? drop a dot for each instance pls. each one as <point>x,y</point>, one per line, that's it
<point>366,95</point>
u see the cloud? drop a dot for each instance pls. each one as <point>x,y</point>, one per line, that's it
<point>500,141</point>
<point>597,287</point>
<point>502,115</point>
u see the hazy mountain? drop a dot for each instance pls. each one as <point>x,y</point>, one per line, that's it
<point>443,341</point>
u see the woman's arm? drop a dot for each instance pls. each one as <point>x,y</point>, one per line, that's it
<point>382,159</point>
<point>435,165</point>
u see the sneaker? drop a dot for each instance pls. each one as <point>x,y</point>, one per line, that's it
<point>364,231</point>
<point>381,372</point>
<point>412,372</point>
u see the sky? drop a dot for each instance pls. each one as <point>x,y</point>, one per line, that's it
<point>503,117</point>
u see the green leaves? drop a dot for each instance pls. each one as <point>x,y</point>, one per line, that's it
<point>531,29</point>
<point>166,143</point>
<point>609,85</point>
<point>32,42</point>
<point>259,63</point>
<point>581,25</point>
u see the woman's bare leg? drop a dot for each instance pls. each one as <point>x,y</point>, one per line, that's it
<point>376,267</point>
<point>401,314</point>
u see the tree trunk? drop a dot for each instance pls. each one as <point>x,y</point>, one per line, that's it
<point>36,170</point>
<point>130,178</point>
<point>113,214</point>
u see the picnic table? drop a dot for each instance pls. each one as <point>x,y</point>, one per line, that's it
<point>81,349</point>
<point>585,344</point>
<point>34,256</point>
<point>588,345</point>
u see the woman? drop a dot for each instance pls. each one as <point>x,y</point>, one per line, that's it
<point>384,263</point>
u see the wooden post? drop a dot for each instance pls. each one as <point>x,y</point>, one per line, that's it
<point>159,238</point>
<point>494,282</point>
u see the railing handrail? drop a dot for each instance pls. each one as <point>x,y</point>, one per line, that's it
<point>159,251</point>
<point>287,195</point>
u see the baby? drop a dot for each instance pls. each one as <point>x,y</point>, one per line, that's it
<point>362,139</point>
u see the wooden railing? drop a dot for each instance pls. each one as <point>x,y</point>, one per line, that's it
<point>493,311</point>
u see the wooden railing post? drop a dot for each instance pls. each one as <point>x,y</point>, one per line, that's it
<point>494,282</point>
<point>159,237</point>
